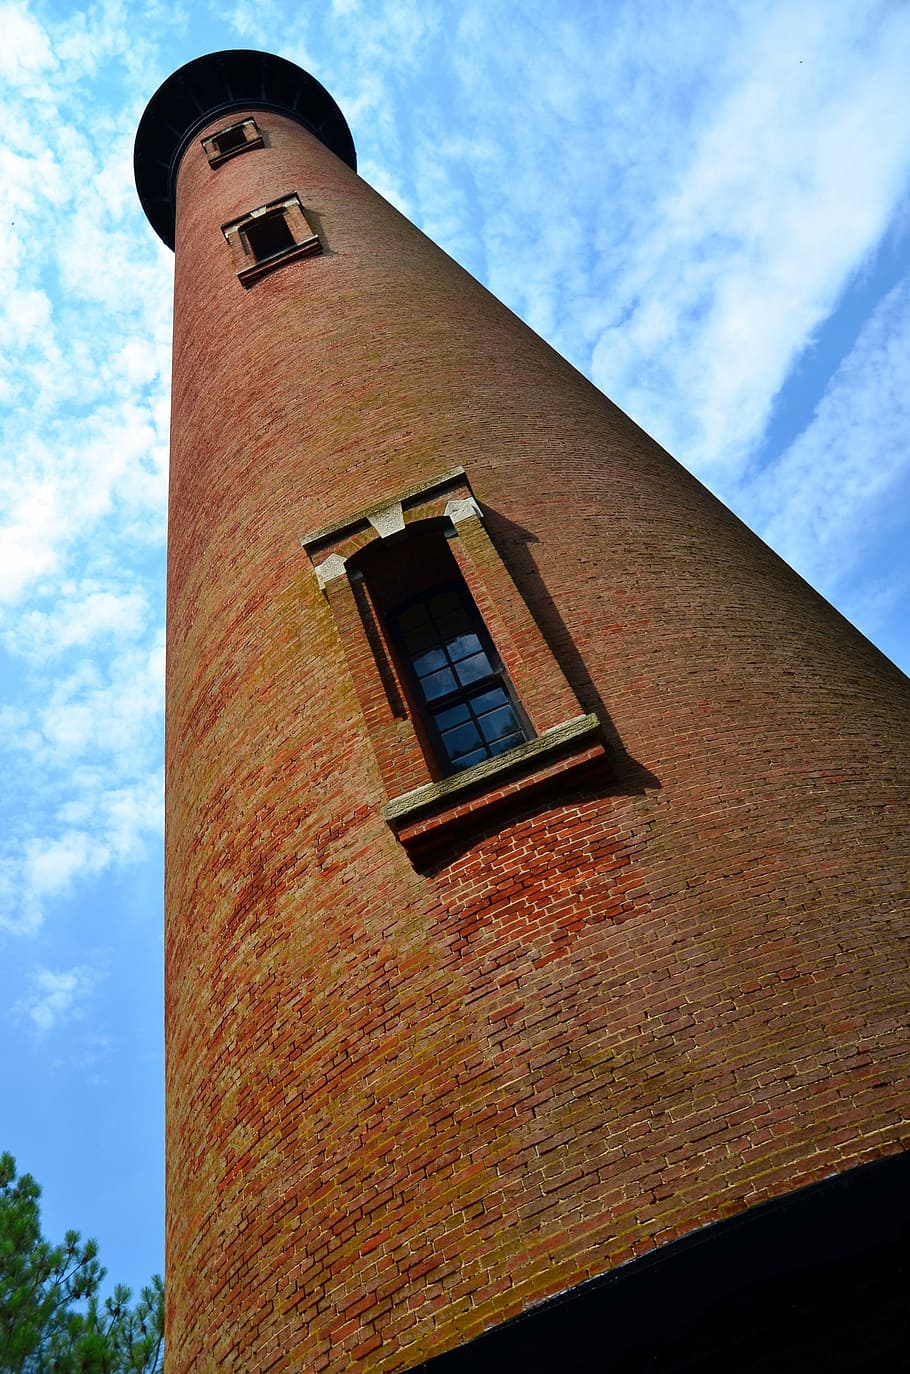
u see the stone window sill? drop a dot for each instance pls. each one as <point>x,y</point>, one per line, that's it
<point>248,275</point>
<point>424,818</point>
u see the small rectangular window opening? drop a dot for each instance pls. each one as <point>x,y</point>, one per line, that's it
<point>234,139</point>
<point>424,605</point>
<point>229,140</point>
<point>269,235</point>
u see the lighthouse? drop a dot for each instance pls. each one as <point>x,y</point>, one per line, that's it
<point>537,850</point>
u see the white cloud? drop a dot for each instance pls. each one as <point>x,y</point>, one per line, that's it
<point>56,998</point>
<point>85,335</point>
<point>27,550</point>
<point>59,484</point>
<point>847,475</point>
<point>126,817</point>
<point>110,710</point>
<point>50,866</point>
<point>792,180</point>
<point>91,795</point>
<point>25,52</point>
<point>98,829</point>
<point>708,189</point>
<point>82,612</point>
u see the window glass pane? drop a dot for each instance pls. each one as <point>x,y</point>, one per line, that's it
<point>462,645</point>
<point>453,623</point>
<point>464,739</point>
<point>443,639</point>
<point>443,603</point>
<point>414,616</point>
<point>417,640</point>
<point>429,662</point>
<point>451,715</point>
<point>419,634</point>
<point>437,684</point>
<point>473,669</point>
<point>488,701</point>
<point>507,742</point>
<point>468,760</point>
<point>497,724</point>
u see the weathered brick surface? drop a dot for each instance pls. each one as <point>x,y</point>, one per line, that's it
<point>402,1104</point>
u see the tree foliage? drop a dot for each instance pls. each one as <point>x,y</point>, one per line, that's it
<point>52,1317</point>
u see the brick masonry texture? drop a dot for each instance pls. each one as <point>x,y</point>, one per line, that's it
<point>404,1101</point>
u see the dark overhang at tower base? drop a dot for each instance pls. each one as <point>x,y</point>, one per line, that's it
<point>813,1281</point>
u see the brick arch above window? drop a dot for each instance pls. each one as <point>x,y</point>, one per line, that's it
<point>527,727</point>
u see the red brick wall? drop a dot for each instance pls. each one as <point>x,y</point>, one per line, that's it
<point>405,1103</point>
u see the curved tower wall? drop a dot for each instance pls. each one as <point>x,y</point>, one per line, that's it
<point>411,1093</point>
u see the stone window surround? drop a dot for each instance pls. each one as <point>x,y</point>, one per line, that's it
<point>305,243</point>
<point>422,809</point>
<point>252,138</point>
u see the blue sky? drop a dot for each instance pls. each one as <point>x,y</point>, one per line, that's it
<point>704,206</point>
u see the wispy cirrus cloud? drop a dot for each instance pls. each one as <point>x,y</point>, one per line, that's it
<point>84,611</point>
<point>678,205</point>
<point>840,493</point>
<point>26,51</point>
<point>709,196</point>
<point>781,199</point>
<point>90,752</point>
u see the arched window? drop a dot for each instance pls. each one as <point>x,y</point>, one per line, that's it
<point>463,701</point>
<point>464,704</point>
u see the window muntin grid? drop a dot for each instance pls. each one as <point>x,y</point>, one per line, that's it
<point>459,678</point>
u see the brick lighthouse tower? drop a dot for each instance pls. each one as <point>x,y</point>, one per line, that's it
<point>537,841</point>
